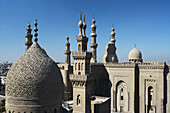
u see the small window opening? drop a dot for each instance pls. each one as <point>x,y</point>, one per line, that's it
<point>121,97</point>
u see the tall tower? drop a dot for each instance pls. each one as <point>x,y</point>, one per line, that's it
<point>93,44</point>
<point>81,73</point>
<point>66,72</point>
<point>67,52</point>
<point>28,37</point>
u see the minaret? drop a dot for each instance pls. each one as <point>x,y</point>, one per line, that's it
<point>67,70</point>
<point>28,37</point>
<point>35,29</point>
<point>67,52</point>
<point>93,44</point>
<point>81,78</point>
<point>110,50</point>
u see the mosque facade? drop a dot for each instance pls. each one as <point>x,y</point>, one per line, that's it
<point>37,84</point>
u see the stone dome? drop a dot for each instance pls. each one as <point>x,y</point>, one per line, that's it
<point>135,55</point>
<point>34,83</point>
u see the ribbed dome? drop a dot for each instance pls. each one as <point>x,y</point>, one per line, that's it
<point>135,55</point>
<point>34,82</point>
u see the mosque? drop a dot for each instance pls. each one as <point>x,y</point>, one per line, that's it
<point>37,84</point>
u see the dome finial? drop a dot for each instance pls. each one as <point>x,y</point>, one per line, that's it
<point>81,16</point>
<point>113,33</point>
<point>135,45</point>
<point>80,24</point>
<point>93,21</point>
<point>67,39</point>
<point>93,26</point>
<point>35,29</point>
<point>84,25</point>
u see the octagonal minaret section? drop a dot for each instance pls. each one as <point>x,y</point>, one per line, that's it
<point>28,37</point>
<point>93,44</point>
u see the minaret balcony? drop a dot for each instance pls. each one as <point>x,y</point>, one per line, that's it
<point>81,38</point>
<point>78,77</point>
<point>81,54</point>
<point>93,45</point>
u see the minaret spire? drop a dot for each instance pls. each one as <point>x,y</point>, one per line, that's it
<point>110,50</point>
<point>28,37</point>
<point>67,52</point>
<point>84,26</point>
<point>113,33</point>
<point>80,24</point>
<point>93,44</point>
<point>35,29</point>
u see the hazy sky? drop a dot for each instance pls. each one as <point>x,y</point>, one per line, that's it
<point>144,22</point>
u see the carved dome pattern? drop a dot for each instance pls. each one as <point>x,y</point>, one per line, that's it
<point>34,75</point>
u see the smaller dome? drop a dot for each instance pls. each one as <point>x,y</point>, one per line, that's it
<point>135,55</point>
<point>80,24</point>
<point>84,25</point>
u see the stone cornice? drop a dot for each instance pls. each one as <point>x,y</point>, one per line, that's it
<point>78,77</point>
<point>81,55</point>
<point>120,65</point>
<point>151,66</point>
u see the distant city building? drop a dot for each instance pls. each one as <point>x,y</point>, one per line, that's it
<point>3,72</point>
<point>36,84</point>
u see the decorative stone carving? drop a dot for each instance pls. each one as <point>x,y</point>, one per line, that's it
<point>34,80</point>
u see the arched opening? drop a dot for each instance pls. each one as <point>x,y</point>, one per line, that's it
<point>121,97</point>
<point>9,111</point>
<point>78,99</point>
<point>81,66</point>
<point>150,106</point>
<point>79,46</point>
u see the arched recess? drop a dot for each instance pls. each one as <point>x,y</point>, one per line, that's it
<point>122,97</point>
<point>149,100</point>
<point>78,99</point>
<point>81,66</point>
<point>79,47</point>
